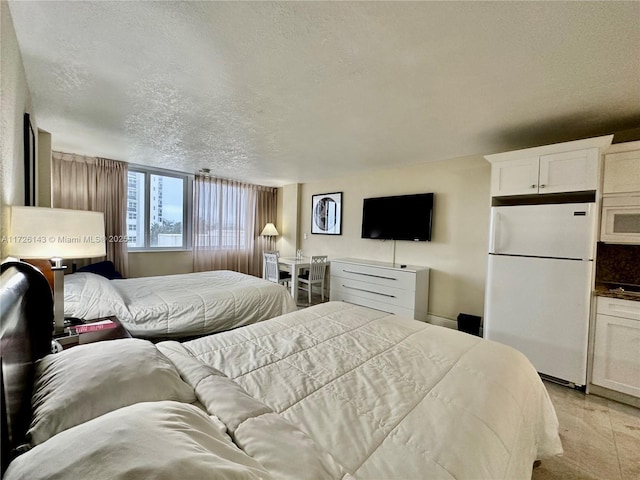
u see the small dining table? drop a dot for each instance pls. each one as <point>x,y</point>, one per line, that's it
<point>295,265</point>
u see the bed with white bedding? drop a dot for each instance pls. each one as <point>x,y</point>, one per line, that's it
<point>386,396</point>
<point>177,305</point>
<point>334,391</point>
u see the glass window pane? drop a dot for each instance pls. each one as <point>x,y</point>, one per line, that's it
<point>166,211</point>
<point>135,210</point>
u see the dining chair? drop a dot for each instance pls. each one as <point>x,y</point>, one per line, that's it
<point>272,272</point>
<point>284,269</point>
<point>264,265</point>
<point>314,276</point>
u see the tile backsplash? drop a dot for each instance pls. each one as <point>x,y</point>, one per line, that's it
<point>618,263</point>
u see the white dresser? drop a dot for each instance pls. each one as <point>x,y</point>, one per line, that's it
<point>380,285</point>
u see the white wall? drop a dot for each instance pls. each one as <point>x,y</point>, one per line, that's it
<point>288,219</point>
<point>15,100</point>
<point>457,253</point>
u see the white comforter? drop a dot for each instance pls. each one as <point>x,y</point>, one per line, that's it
<point>379,396</point>
<point>177,305</point>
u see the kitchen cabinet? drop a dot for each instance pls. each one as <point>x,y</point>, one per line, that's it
<point>622,169</point>
<point>558,168</point>
<point>616,361</point>
<point>621,194</point>
<point>574,171</point>
<point>569,171</point>
<point>515,177</point>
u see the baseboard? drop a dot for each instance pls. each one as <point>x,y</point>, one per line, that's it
<point>613,395</point>
<point>444,322</point>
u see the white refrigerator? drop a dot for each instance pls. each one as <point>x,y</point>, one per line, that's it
<point>539,284</point>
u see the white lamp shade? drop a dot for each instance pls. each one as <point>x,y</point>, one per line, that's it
<point>269,230</point>
<point>36,232</point>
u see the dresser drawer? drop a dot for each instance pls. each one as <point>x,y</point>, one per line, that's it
<point>348,296</point>
<point>381,276</point>
<point>374,291</point>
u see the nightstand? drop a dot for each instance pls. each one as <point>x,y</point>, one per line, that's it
<point>69,339</point>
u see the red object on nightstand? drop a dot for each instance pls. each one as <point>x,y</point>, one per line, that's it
<point>96,330</point>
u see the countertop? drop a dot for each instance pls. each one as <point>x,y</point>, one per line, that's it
<point>603,291</point>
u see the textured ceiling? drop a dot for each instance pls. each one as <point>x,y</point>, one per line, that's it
<point>278,93</point>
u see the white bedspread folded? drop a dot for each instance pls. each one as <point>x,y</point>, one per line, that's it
<point>282,448</point>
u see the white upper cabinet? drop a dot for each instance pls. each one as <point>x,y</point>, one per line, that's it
<point>569,171</point>
<point>515,177</point>
<point>621,194</point>
<point>622,170</point>
<point>562,167</point>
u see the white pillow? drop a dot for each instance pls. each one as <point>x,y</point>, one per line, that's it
<point>86,381</point>
<point>158,440</point>
<point>88,296</point>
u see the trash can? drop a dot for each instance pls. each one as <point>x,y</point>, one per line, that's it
<point>469,324</point>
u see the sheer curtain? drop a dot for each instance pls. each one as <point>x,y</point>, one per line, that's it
<point>228,217</point>
<point>99,185</point>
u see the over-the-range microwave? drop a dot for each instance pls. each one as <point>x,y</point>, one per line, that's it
<point>621,219</point>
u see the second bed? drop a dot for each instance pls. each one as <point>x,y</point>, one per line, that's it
<point>177,306</point>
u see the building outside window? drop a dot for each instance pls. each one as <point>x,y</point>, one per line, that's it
<point>168,210</point>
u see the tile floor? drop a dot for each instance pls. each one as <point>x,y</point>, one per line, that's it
<point>303,298</point>
<point>601,438</point>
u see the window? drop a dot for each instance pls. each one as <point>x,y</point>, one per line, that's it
<point>161,220</point>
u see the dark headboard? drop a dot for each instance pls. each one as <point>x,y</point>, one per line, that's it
<point>26,319</point>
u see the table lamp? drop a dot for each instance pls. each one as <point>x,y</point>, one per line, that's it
<point>56,234</point>
<point>269,230</point>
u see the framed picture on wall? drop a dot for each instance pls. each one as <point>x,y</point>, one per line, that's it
<point>29,163</point>
<point>326,213</point>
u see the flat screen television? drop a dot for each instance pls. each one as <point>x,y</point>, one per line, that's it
<point>403,217</point>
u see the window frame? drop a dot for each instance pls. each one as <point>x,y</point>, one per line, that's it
<point>187,208</point>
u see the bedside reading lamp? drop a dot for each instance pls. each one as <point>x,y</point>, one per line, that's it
<point>269,230</point>
<point>56,234</point>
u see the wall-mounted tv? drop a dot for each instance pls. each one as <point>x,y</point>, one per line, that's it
<point>403,217</point>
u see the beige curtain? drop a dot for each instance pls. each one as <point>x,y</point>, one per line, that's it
<point>228,217</point>
<point>99,185</point>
